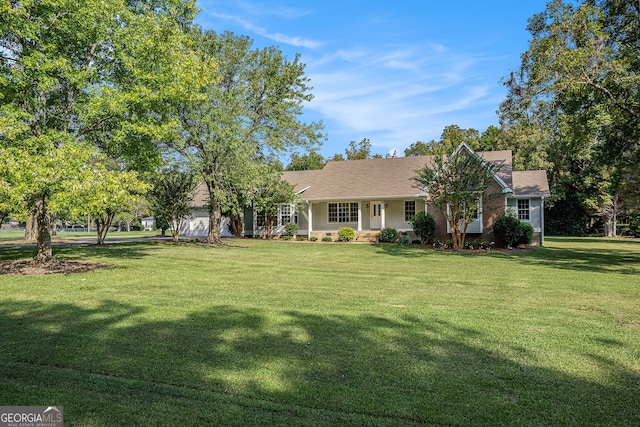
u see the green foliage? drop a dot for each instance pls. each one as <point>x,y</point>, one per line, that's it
<point>271,192</point>
<point>291,228</point>
<point>327,239</point>
<point>388,235</point>
<point>346,234</point>
<point>507,228</point>
<point>455,184</point>
<point>286,237</point>
<point>405,241</point>
<point>105,193</point>
<point>424,225</point>
<point>300,238</point>
<point>171,197</point>
<point>251,110</point>
<point>76,75</point>
<point>634,223</point>
<point>311,161</point>
<point>486,244</point>
<point>358,151</point>
<point>526,233</point>
<point>572,108</point>
<point>511,230</point>
<point>313,239</point>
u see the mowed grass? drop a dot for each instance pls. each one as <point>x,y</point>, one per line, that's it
<point>288,333</point>
<point>17,236</point>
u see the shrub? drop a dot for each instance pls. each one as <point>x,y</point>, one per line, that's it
<point>388,235</point>
<point>526,233</point>
<point>423,226</point>
<point>468,245</point>
<point>300,239</point>
<point>513,231</point>
<point>291,228</point>
<point>286,237</point>
<point>437,244</point>
<point>346,234</point>
<point>634,224</point>
<point>313,238</point>
<point>485,244</point>
<point>405,241</point>
<point>507,228</point>
<point>327,239</point>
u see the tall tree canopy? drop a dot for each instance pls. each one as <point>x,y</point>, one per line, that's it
<point>252,110</point>
<point>574,104</point>
<point>74,74</point>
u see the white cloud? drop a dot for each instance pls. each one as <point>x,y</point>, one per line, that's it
<point>398,96</point>
<point>278,37</point>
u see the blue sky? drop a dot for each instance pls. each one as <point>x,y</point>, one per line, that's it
<point>394,72</point>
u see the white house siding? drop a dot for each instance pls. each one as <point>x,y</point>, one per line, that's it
<point>197,225</point>
<point>535,211</point>
<point>394,215</point>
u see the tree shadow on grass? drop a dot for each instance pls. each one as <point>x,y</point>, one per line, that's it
<point>134,250</point>
<point>113,365</point>
<point>589,260</point>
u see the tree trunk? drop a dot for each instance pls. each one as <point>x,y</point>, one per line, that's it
<point>31,228</point>
<point>102,226</point>
<point>236,226</point>
<point>268,225</point>
<point>43,245</point>
<point>215,222</point>
<point>455,235</point>
<point>54,226</point>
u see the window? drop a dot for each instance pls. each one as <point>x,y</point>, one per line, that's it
<point>523,209</point>
<point>343,212</point>
<point>409,210</point>
<point>286,213</point>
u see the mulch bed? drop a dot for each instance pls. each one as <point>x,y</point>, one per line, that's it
<point>29,267</point>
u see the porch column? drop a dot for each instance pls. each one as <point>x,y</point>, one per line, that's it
<point>541,221</point>
<point>310,219</point>
<point>383,222</point>
<point>359,216</point>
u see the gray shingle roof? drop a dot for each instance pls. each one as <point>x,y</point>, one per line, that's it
<point>388,178</point>
<point>377,178</point>
<point>530,183</point>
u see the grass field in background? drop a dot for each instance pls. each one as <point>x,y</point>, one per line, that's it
<point>17,236</point>
<point>290,333</point>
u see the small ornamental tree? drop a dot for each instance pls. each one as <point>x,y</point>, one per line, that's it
<point>107,193</point>
<point>171,197</point>
<point>455,184</point>
<point>272,192</point>
<point>423,226</point>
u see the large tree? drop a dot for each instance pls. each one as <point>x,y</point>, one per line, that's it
<point>455,184</point>
<point>252,110</point>
<point>579,84</point>
<point>93,72</point>
<point>312,160</point>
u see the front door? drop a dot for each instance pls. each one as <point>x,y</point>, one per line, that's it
<point>375,216</point>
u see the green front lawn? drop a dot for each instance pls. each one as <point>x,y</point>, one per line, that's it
<point>288,333</point>
<point>17,236</point>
